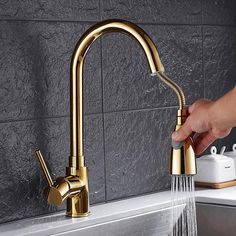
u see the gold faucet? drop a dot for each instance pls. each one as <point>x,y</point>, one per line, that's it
<point>74,186</point>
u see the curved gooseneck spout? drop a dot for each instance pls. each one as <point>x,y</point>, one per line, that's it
<point>74,186</point>
<point>156,67</point>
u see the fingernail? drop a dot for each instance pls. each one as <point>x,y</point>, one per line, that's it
<point>175,135</point>
<point>177,145</point>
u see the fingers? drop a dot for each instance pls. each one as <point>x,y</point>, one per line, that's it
<point>196,104</point>
<point>195,122</point>
<point>184,132</point>
<point>202,142</point>
<point>221,133</point>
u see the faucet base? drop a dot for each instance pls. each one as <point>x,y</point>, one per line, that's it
<point>78,205</point>
<point>80,215</point>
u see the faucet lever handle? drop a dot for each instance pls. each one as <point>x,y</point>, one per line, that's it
<point>44,167</point>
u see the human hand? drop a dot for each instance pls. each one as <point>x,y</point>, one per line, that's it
<point>199,121</point>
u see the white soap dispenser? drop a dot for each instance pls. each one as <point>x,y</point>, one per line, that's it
<point>215,168</point>
<point>232,154</point>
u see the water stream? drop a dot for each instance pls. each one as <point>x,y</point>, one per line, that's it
<point>183,219</point>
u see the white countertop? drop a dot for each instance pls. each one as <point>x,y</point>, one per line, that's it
<point>224,196</point>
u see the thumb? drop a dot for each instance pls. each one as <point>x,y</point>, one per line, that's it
<point>183,133</point>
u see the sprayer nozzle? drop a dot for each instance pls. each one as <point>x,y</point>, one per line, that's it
<point>183,159</point>
<point>177,145</point>
<point>182,155</point>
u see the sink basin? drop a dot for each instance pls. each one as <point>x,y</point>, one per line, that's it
<point>217,220</point>
<point>156,222</point>
<point>145,215</point>
<point>148,215</point>
<point>216,211</point>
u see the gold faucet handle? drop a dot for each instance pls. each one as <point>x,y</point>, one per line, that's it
<point>63,187</point>
<point>44,167</point>
<point>51,192</point>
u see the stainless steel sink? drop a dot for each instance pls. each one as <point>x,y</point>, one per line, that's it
<point>148,215</point>
<point>148,224</point>
<point>217,220</point>
<point>216,211</point>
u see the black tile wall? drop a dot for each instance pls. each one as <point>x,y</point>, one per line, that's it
<point>21,175</point>
<point>129,114</point>
<point>34,69</point>
<point>81,10</point>
<point>219,44</point>
<point>126,75</point>
<point>219,12</point>
<point>153,11</point>
<point>137,151</point>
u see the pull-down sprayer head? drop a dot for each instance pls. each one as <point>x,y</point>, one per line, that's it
<point>182,155</point>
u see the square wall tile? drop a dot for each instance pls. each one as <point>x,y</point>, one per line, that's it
<point>219,12</point>
<point>20,173</point>
<point>219,60</point>
<point>152,11</point>
<point>126,75</point>
<point>50,10</point>
<point>35,70</point>
<point>137,151</point>
<point>94,156</point>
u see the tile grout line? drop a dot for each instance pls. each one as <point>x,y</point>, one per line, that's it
<point>201,12</point>
<point>33,119</point>
<point>89,114</point>
<point>50,20</point>
<point>203,62</point>
<point>142,109</point>
<point>103,121</point>
<point>95,21</point>
<point>100,10</point>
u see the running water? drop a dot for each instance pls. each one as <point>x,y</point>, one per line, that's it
<point>184,221</point>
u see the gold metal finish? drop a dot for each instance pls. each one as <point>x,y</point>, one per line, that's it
<point>77,73</point>
<point>183,161</point>
<point>74,186</point>
<point>179,92</point>
<point>44,167</point>
<point>69,187</point>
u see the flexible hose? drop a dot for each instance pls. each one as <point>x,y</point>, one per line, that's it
<point>174,86</point>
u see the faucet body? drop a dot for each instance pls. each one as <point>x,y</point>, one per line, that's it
<point>74,186</point>
<point>82,47</point>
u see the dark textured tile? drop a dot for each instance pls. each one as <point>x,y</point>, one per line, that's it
<point>51,10</point>
<point>219,60</point>
<point>94,157</point>
<point>126,75</point>
<point>20,174</point>
<point>153,11</point>
<point>35,69</point>
<point>220,12</point>
<point>137,151</point>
